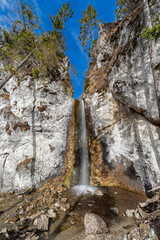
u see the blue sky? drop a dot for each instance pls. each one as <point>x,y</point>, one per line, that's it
<point>77,56</point>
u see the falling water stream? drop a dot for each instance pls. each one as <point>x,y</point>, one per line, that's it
<point>84,173</point>
<point>84,165</point>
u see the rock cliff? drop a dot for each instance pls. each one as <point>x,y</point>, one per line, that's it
<point>123,101</point>
<point>34,119</point>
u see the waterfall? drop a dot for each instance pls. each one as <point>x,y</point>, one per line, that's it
<point>84,165</point>
<point>83,186</point>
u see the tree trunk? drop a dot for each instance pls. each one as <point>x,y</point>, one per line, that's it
<point>23,17</point>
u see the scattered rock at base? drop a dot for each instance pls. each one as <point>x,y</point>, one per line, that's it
<point>96,237</point>
<point>41,223</point>
<point>115,210</point>
<point>94,224</point>
<point>64,200</point>
<point>98,192</point>
<point>51,214</point>
<point>130,213</point>
<point>141,233</point>
<point>4,234</point>
<point>65,207</point>
<point>34,237</point>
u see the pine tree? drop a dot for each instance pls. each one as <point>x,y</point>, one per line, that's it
<point>153,32</point>
<point>58,23</point>
<point>88,27</point>
<point>124,7</point>
<point>43,52</point>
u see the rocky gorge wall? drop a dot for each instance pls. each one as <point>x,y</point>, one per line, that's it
<point>122,101</point>
<point>34,120</point>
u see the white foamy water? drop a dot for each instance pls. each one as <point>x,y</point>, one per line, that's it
<point>84,166</point>
<point>84,186</point>
<point>84,189</point>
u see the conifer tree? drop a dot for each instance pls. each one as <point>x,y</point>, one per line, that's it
<point>88,27</point>
<point>21,42</point>
<point>58,23</point>
<point>124,7</point>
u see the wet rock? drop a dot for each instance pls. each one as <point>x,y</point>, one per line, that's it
<point>115,210</point>
<point>94,224</point>
<point>130,213</point>
<point>98,192</point>
<point>51,214</point>
<point>88,191</point>
<point>41,223</point>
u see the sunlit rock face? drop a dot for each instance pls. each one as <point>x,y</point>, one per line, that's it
<point>122,101</point>
<point>34,117</point>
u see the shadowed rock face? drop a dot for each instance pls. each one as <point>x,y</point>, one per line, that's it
<point>34,117</point>
<point>122,101</point>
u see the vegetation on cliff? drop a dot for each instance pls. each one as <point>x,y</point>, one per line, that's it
<point>26,37</point>
<point>153,33</point>
<point>88,28</point>
<point>125,7</point>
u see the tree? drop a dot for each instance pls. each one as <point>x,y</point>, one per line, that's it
<point>124,7</point>
<point>27,18</point>
<point>58,23</point>
<point>154,31</point>
<point>21,42</point>
<point>88,27</point>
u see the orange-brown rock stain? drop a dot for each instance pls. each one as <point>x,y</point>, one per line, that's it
<point>106,174</point>
<point>70,155</point>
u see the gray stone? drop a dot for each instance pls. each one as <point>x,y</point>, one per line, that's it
<point>41,223</point>
<point>130,212</point>
<point>51,214</point>
<point>94,224</point>
<point>115,210</point>
<point>96,237</point>
<point>98,192</point>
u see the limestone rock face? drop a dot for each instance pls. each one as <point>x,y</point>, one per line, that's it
<point>122,101</point>
<point>34,117</point>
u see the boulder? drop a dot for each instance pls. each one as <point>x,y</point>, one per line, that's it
<point>115,210</point>
<point>94,224</point>
<point>41,223</point>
